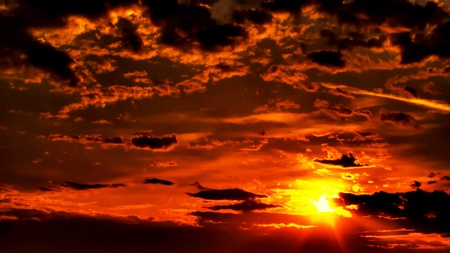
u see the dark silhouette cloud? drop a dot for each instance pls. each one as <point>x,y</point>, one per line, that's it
<point>415,185</point>
<point>226,194</point>
<point>411,91</point>
<point>247,205</point>
<point>426,212</point>
<point>416,48</point>
<point>146,141</point>
<point>25,14</point>
<point>376,12</point>
<point>445,178</point>
<point>258,17</point>
<point>344,161</point>
<point>181,25</point>
<point>354,40</point>
<point>44,231</point>
<point>327,58</point>
<point>291,6</point>
<point>340,92</point>
<point>79,186</point>
<point>398,118</point>
<point>345,112</point>
<point>130,37</point>
<point>220,36</point>
<point>199,186</point>
<point>114,140</point>
<point>158,181</point>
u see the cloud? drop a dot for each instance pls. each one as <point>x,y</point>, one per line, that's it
<point>345,161</point>
<point>327,58</point>
<point>433,104</point>
<point>39,231</point>
<point>398,12</point>
<point>415,185</point>
<point>225,194</point>
<point>344,112</point>
<point>416,50</point>
<point>79,186</point>
<point>445,178</point>
<point>183,25</point>
<point>37,54</point>
<point>342,93</point>
<point>158,181</point>
<point>154,143</point>
<point>291,6</point>
<point>246,205</point>
<point>28,15</point>
<point>258,17</point>
<point>141,141</point>
<point>114,140</point>
<point>398,118</point>
<point>426,212</point>
<point>354,40</point>
<point>130,37</point>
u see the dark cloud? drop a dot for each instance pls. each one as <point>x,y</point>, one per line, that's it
<point>366,135</point>
<point>344,161</point>
<point>79,186</point>
<point>327,58</point>
<point>415,185</point>
<point>345,112</point>
<point>181,25</point>
<point>417,47</point>
<point>445,178</point>
<point>16,41</point>
<point>158,181</point>
<point>432,174</point>
<point>354,40</point>
<point>291,6</point>
<point>218,36</point>
<point>130,37</point>
<point>258,17</point>
<point>26,14</point>
<point>432,182</point>
<point>392,12</point>
<point>199,186</point>
<point>225,194</point>
<point>411,91</point>
<point>342,93</point>
<point>426,212</point>
<point>146,141</point>
<point>247,205</point>
<point>114,140</point>
<point>368,12</point>
<point>44,231</point>
<point>398,118</point>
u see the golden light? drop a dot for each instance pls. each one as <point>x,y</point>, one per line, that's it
<point>322,205</point>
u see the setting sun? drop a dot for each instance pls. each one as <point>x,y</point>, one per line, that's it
<point>322,205</point>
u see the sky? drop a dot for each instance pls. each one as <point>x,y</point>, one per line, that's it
<point>225,126</point>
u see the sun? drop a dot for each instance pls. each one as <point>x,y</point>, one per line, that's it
<point>322,205</point>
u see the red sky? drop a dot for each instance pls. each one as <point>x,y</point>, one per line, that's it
<point>225,126</point>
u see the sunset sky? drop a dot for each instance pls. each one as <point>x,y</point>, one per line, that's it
<point>225,126</point>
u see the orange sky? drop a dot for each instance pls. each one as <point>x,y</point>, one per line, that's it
<point>225,125</point>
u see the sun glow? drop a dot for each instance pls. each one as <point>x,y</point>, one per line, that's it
<point>322,205</point>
